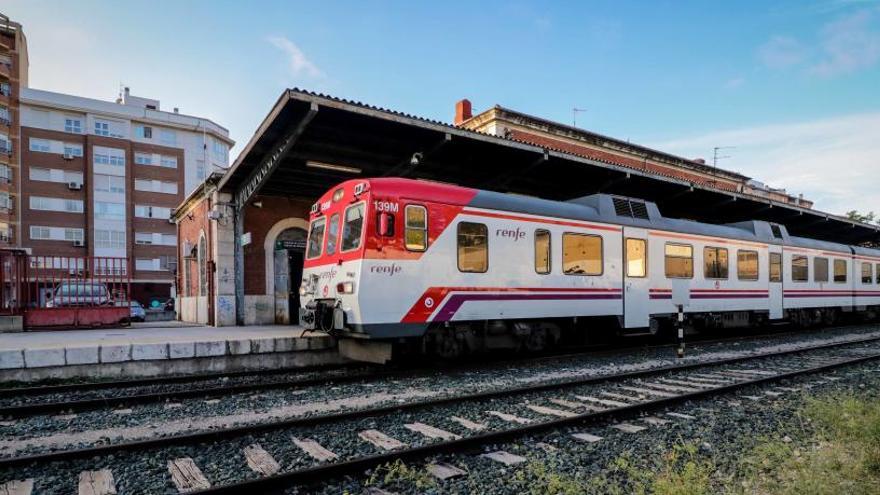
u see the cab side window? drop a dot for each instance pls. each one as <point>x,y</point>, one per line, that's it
<point>416,228</point>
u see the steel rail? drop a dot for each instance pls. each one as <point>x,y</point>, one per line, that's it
<point>280,482</point>
<point>238,431</point>
<point>36,407</point>
<point>6,392</point>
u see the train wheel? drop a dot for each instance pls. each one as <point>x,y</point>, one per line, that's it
<point>537,340</point>
<point>447,346</point>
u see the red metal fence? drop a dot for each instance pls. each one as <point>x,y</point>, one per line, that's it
<point>65,291</point>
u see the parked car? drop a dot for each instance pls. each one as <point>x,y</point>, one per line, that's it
<point>138,313</point>
<point>79,293</point>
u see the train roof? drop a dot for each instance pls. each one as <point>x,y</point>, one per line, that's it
<point>605,208</point>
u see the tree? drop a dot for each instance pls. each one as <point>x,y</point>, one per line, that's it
<point>869,217</point>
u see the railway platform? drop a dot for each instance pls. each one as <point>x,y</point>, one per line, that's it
<point>157,349</point>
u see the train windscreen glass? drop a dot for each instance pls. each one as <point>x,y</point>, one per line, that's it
<point>354,224</point>
<point>316,238</point>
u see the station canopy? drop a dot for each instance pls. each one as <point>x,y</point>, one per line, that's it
<point>310,142</point>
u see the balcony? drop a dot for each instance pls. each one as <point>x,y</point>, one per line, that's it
<point>5,71</point>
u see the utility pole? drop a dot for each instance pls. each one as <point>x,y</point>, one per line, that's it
<point>715,156</point>
<point>574,112</point>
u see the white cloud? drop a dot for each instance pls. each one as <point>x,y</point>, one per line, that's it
<point>781,52</point>
<point>734,83</point>
<point>835,162</point>
<point>299,64</point>
<point>849,43</point>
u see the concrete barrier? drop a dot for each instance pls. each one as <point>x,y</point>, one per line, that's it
<point>152,359</point>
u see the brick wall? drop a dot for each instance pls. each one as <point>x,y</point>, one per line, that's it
<point>189,229</point>
<point>605,156</point>
<point>258,221</point>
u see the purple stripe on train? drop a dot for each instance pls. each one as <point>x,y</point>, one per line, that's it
<point>729,296</point>
<point>456,300</point>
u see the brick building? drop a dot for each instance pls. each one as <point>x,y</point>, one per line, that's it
<point>86,177</point>
<point>101,178</point>
<point>277,228</point>
<point>500,121</point>
<point>13,77</point>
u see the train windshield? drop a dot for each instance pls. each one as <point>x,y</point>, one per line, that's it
<point>354,225</point>
<point>316,238</point>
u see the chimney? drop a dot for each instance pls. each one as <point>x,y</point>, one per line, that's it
<point>176,110</point>
<point>701,161</point>
<point>463,111</point>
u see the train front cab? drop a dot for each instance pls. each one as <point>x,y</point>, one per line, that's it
<point>334,254</point>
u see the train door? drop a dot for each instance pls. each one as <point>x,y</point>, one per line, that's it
<point>775,282</point>
<point>636,282</point>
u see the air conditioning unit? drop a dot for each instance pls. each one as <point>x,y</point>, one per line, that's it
<point>74,186</point>
<point>68,156</point>
<point>78,243</point>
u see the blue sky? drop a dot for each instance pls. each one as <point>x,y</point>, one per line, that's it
<point>793,84</point>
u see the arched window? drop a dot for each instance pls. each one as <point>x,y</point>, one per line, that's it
<point>203,266</point>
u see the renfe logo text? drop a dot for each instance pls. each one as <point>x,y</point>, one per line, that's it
<point>389,270</point>
<point>514,234</point>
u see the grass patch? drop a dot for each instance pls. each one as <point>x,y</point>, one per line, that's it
<point>398,473</point>
<point>844,456</point>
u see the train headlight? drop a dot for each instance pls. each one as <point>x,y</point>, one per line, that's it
<point>302,290</point>
<point>345,287</point>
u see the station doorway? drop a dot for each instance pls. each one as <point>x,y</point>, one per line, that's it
<point>290,248</point>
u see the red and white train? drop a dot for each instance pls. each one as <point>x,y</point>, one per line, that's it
<point>457,270</point>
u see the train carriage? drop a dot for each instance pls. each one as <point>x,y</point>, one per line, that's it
<point>455,270</point>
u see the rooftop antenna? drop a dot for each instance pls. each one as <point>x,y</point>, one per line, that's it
<point>574,112</point>
<point>715,156</point>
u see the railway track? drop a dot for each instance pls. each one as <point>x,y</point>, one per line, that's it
<point>277,455</point>
<point>20,402</point>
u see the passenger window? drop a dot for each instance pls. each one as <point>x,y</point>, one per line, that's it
<point>775,267</point>
<point>715,264</point>
<point>820,269</point>
<point>877,272</point>
<point>416,231</point>
<point>800,271</point>
<point>867,273</point>
<point>354,226</point>
<point>333,234</point>
<point>581,254</point>
<point>473,247</point>
<point>840,271</point>
<point>542,252</point>
<point>679,261</point>
<point>747,265</point>
<point>636,258</point>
